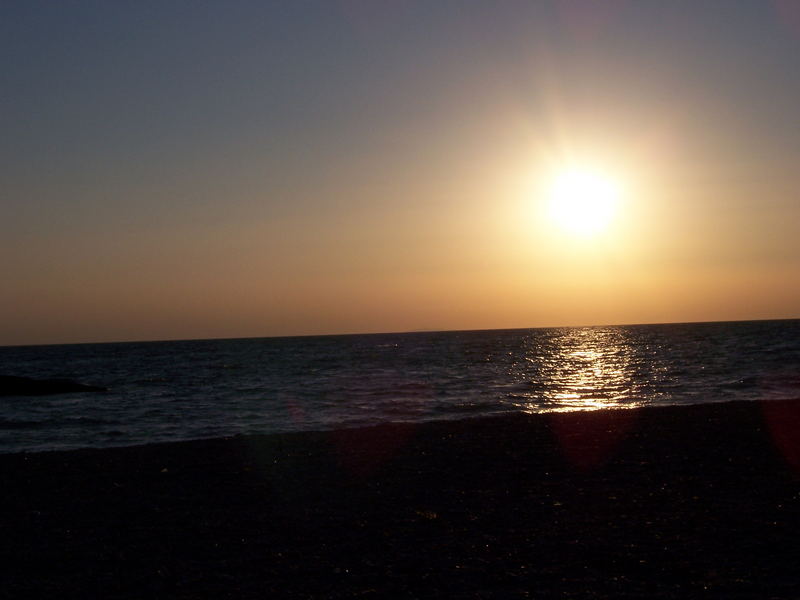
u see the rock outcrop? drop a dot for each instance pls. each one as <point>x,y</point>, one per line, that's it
<point>26,386</point>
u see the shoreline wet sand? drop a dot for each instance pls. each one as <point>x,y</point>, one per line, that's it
<point>672,502</point>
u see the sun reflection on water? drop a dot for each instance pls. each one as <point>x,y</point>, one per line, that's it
<point>579,369</point>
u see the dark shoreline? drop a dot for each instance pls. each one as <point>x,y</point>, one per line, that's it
<point>670,502</point>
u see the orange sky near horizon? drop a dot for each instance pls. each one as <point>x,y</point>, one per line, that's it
<point>393,178</point>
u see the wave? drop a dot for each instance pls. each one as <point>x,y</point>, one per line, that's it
<point>6,423</point>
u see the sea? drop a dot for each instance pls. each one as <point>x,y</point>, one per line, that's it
<point>194,389</point>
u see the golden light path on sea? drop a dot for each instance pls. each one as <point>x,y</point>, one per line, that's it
<point>590,369</point>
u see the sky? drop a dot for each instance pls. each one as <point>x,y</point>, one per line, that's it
<point>176,170</point>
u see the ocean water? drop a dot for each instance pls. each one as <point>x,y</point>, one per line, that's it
<point>165,391</point>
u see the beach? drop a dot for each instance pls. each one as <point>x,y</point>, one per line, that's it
<point>667,502</point>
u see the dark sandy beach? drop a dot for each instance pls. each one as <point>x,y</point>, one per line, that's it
<point>699,501</point>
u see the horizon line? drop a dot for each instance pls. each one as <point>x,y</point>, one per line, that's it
<point>402,332</point>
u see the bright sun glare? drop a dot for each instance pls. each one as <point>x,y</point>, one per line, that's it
<point>583,201</point>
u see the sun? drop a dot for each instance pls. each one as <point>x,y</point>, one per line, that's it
<point>583,201</point>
